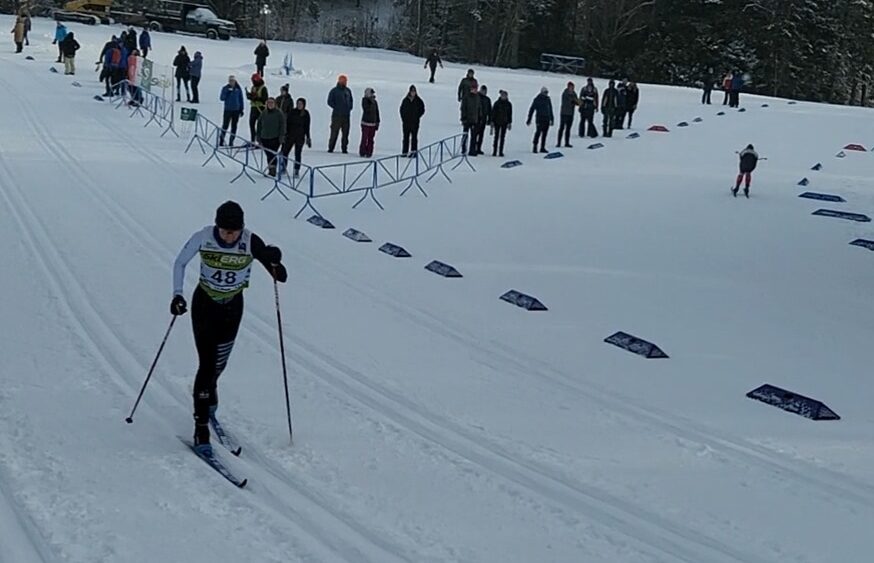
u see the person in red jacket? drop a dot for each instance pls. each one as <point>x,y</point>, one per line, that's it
<point>726,87</point>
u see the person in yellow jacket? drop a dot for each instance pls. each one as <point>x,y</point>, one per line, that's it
<point>18,32</point>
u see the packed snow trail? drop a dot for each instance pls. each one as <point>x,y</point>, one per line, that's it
<point>433,422</point>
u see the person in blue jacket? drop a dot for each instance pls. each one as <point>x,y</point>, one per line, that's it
<point>737,84</point>
<point>340,102</point>
<point>232,96</point>
<point>60,33</point>
<point>195,69</point>
<point>541,110</point>
<point>145,42</point>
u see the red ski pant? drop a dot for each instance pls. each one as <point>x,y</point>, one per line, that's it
<point>368,133</point>
<point>747,177</point>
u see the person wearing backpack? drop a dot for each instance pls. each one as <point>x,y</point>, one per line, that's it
<point>182,62</point>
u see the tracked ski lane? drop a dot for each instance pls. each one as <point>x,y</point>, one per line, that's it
<point>278,482</point>
<point>647,529</point>
<point>304,513</point>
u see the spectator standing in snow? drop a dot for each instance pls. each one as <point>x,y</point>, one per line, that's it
<point>297,133</point>
<point>609,102</point>
<point>257,96</point>
<point>726,88</point>
<point>412,110</point>
<point>261,54</point>
<point>133,68</point>
<point>470,110</point>
<point>196,71</point>
<point>485,117</point>
<point>270,132</point>
<point>737,84</point>
<point>145,42</point>
<point>232,96</point>
<point>502,121</point>
<point>110,51</point>
<point>749,158</point>
<point>588,109</point>
<point>182,62</point>
<point>707,86</point>
<point>60,33</point>
<point>431,62</point>
<point>465,85</point>
<point>569,103</point>
<point>284,101</point>
<point>632,97</point>
<point>369,122</point>
<point>69,46</point>
<point>28,25</point>
<point>287,64</point>
<point>544,118</point>
<point>340,102</point>
<point>131,40</point>
<point>621,104</point>
<point>18,33</point>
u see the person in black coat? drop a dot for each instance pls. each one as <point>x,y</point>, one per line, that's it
<point>588,109</point>
<point>261,54</point>
<point>412,110</point>
<point>541,110</point>
<point>69,46</point>
<point>749,158</point>
<point>130,42</point>
<point>609,103</point>
<point>432,61</point>
<point>485,118</point>
<point>182,62</point>
<point>621,104</point>
<point>502,121</point>
<point>297,133</point>
<point>707,86</point>
<point>632,97</point>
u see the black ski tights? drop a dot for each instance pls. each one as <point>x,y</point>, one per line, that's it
<point>215,329</point>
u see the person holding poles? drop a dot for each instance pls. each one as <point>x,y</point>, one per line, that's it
<point>748,159</point>
<point>226,250</point>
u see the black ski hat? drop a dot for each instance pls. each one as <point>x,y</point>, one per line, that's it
<point>229,215</point>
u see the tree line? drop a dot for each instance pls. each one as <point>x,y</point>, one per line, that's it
<point>821,50</point>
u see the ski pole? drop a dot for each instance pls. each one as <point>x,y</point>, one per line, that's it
<point>130,418</point>
<point>282,354</point>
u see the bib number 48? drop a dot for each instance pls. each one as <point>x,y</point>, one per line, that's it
<point>224,277</point>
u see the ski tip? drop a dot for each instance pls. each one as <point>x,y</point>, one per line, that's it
<point>237,452</point>
<point>242,484</point>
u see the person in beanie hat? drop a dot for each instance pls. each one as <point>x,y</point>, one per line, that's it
<point>369,122</point>
<point>257,96</point>
<point>226,251</point>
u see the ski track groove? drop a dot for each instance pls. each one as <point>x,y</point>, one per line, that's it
<point>115,365</point>
<point>539,479</point>
<point>40,546</point>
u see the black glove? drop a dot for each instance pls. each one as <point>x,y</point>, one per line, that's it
<point>272,254</point>
<point>309,143</point>
<point>178,306</point>
<point>279,273</point>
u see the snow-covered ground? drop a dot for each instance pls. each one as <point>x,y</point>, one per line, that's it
<point>434,422</point>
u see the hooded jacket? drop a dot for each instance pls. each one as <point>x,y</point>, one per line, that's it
<point>412,110</point>
<point>370,111</point>
<point>340,101</point>
<point>196,67</point>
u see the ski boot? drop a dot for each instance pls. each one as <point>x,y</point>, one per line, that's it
<point>201,440</point>
<point>747,193</point>
<point>734,191</point>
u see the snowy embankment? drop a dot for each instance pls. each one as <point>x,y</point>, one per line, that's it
<point>434,422</point>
